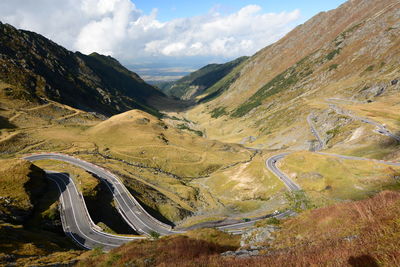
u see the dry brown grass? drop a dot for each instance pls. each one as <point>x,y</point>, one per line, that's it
<point>170,251</point>
<point>362,233</point>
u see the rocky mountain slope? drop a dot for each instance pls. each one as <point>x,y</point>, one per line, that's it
<point>41,69</point>
<point>349,55</point>
<point>198,82</point>
<point>331,84</point>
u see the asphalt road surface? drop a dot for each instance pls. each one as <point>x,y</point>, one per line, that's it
<point>271,165</point>
<point>76,221</point>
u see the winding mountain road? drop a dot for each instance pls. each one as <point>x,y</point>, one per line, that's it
<point>78,225</point>
<point>314,131</point>
<point>76,221</point>
<point>130,209</point>
<point>380,128</point>
<point>271,165</point>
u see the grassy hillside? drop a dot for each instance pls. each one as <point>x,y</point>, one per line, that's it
<point>268,98</point>
<point>22,183</point>
<point>319,84</point>
<point>30,231</point>
<point>198,82</point>
<point>164,166</point>
<point>329,179</point>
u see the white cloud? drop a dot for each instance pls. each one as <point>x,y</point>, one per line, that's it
<point>120,29</point>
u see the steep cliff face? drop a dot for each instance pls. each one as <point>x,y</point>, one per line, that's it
<point>46,70</point>
<point>350,53</point>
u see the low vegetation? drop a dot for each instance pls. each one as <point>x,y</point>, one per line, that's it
<point>218,112</point>
<point>27,247</point>
<point>333,67</point>
<point>298,201</point>
<point>333,53</point>
<point>190,249</point>
<point>346,234</point>
<point>282,82</point>
<point>183,126</point>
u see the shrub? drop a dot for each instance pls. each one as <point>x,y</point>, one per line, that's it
<point>298,200</point>
<point>154,235</point>
<point>370,68</point>
<point>183,126</point>
<point>218,112</point>
<point>333,53</point>
<point>273,221</point>
<point>333,67</point>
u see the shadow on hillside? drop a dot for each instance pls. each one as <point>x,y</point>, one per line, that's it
<point>50,195</point>
<point>150,210</point>
<point>101,209</point>
<point>363,261</point>
<point>5,124</point>
<point>45,219</point>
<point>390,142</point>
<point>169,104</point>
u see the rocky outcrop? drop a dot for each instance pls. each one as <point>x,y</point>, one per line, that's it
<point>258,236</point>
<point>253,242</point>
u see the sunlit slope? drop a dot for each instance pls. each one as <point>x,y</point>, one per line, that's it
<point>350,53</point>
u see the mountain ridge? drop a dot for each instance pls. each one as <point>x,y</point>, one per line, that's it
<point>91,83</point>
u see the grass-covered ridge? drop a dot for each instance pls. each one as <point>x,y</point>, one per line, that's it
<point>222,85</point>
<point>329,179</point>
<point>201,80</point>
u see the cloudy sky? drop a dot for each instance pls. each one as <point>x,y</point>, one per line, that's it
<point>151,31</point>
